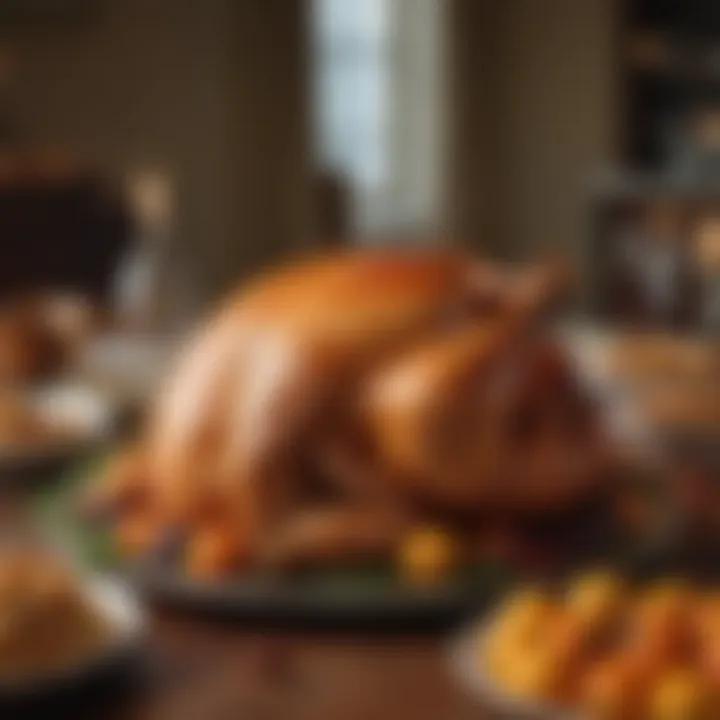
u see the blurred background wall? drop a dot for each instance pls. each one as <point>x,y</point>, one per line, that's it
<point>206,91</point>
<point>536,102</point>
<point>498,114</point>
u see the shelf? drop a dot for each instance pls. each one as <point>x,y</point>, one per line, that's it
<point>629,185</point>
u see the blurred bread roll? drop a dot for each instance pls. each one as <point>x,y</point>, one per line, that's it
<point>40,333</point>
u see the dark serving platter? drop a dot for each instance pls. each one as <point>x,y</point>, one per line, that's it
<point>366,600</point>
<point>358,596</point>
<point>42,463</point>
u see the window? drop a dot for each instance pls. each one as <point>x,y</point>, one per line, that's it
<point>353,58</point>
<point>377,106</point>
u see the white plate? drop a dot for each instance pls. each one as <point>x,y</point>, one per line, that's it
<point>78,406</point>
<point>464,658</point>
<point>127,626</point>
<point>88,416</point>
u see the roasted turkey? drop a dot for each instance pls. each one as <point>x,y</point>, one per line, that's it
<point>332,405</point>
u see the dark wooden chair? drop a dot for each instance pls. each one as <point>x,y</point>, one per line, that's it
<point>64,233</point>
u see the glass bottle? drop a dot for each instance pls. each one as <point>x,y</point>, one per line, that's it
<point>142,291</point>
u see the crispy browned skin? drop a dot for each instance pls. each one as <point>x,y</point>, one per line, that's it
<point>322,405</point>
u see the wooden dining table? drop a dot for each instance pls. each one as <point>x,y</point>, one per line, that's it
<point>197,668</point>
